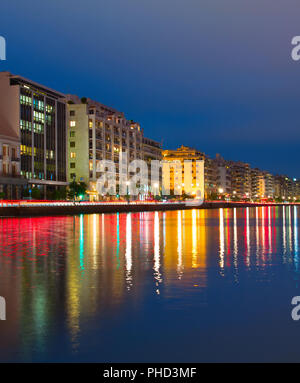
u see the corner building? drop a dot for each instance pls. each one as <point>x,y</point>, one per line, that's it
<point>36,115</point>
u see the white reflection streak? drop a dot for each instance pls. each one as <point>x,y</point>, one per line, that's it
<point>179,245</point>
<point>222,244</point>
<point>270,232</point>
<point>290,230</point>
<point>283,234</point>
<point>296,238</point>
<point>248,238</point>
<point>235,241</point>
<point>157,274</point>
<point>128,252</point>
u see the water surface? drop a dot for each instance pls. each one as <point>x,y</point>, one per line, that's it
<point>195,285</point>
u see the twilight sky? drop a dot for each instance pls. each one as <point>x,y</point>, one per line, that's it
<point>213,74</point>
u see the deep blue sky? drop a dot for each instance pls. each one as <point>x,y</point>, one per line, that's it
<point>216,75</point>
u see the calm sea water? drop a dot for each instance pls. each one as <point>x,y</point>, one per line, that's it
<point>197,285</point>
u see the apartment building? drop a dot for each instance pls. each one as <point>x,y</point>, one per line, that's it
<point>192,183</point>
<point>286,188</point>
<point>97,132</point>
<point>36,116</point>
<point>152,151</point>
<point>11,182</point>
<point>223,176</point>
<point>240,179</point>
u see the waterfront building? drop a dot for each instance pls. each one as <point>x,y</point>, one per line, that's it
<point>269,190</point>
<point>97,132</point>
<point>297,182</point>
<point>36,118</point>
<point>11,182</point>
<point>211,178</point>
<point>223,176</point>
<point>233,179</point>
<point>177,177</point>
<point>286,188</point>
<point>152,151</point>
<point>240,179</point>
<point>257,185</point>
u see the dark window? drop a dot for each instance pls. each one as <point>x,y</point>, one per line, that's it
<point>72,144</point>
<point>72,112</point>
<point>72,165</point>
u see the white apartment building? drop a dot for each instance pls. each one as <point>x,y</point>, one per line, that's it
<point>97,132</point>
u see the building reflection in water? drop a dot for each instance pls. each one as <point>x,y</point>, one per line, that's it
<point>179,246</point>
<point>90,267</point>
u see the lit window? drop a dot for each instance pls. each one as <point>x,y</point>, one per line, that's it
<point>73,155</point>
<point>72,124</point>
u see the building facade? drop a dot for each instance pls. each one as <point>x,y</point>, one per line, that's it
<point>98,132</point>
<point>180,182</point>
<point>36,116</point>
<point>223,176</point>
<point>11,182</point>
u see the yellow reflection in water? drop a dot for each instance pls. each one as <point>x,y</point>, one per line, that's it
<point>179,242</point>
<point>222,239</point>
<point>194,236</point>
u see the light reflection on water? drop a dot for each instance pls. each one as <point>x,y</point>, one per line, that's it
<point>103,287</point>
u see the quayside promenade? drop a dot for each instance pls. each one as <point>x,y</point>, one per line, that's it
<point>33,209</point>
